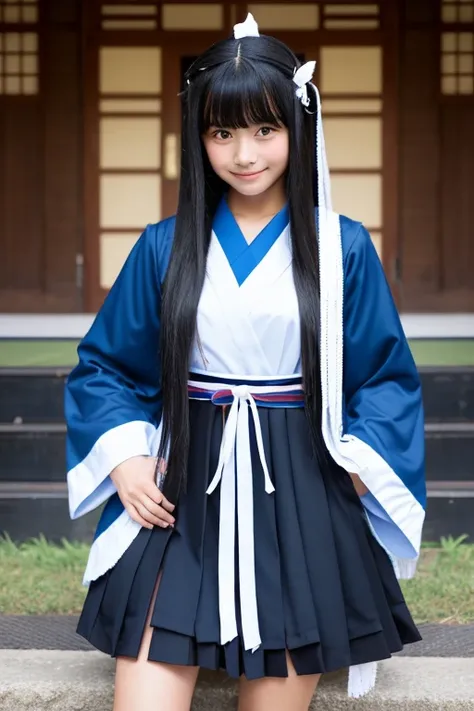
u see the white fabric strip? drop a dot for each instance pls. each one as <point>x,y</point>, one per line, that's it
<point>324,181</point>
<point>361,677</point>
<point>348,451</point>
<point>110,546</point>
<point>235,450</point>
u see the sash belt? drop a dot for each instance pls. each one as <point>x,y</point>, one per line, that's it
<point>234,473</point>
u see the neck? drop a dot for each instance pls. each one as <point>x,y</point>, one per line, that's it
<point>258,206</point>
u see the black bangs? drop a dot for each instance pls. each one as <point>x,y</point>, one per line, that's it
<point>238,94</point>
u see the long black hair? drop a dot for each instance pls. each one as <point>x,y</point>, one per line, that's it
<point>234,84</point>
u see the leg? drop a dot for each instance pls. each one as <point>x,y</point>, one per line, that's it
<point>141,685</point>
<point>291,693</point>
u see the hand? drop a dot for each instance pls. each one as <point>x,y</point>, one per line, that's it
<point>359,486</point>
<point>134,480</point>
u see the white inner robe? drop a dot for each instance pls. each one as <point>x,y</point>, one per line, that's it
<point>252,329</point>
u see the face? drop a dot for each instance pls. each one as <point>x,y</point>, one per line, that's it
<point>250,160</point>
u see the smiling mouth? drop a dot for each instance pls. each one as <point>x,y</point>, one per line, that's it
<point>248,175</point>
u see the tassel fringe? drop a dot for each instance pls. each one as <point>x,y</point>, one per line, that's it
<point>405,568</point>
<point>361,679</point>
<point>109,547</point>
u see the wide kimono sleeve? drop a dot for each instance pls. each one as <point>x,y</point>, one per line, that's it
<point>383,412</point>
<point>113,395</point>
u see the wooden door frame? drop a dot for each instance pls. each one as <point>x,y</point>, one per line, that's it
<point>174,46</point>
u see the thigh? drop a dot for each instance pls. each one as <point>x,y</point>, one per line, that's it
<point>141,685</point>
<point>291,693</point>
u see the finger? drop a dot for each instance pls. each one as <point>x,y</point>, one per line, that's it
<point>133,513</point>
<point>156,495</point>
<point>161,465</point>
<point>156,509</point>
<point>151,490</point>
<point>151,518</point>
<point>167,504</point>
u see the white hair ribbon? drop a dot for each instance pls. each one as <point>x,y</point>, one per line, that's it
<point>324,178</point>
<point>249,28</point>
<point>303,75</point>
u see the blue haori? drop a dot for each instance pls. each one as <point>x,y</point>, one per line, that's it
<point>234,472</point>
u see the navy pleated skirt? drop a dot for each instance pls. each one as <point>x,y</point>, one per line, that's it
<point>326,590</point>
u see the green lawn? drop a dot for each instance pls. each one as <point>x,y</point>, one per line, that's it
<point>38,578</point>
<point>31,353</point>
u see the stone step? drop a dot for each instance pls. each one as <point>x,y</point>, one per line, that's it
<point>36,452</point>
<point>33,452</point>
<point>67,681</point>
<point>29,509</point>
<point>35,395</point>
<point>449,451</point>
<point>32,395</point>
<point>448,393</point>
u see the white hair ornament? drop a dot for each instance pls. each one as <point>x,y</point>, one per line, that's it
<point>302,77</point>
<point>249,28</point>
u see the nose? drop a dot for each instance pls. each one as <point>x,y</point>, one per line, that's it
<point>245,153</point>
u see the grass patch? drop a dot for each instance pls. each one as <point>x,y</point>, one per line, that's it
<point>443,589</point>
<point>39,578</point>
<point>459,352</point>
<point>17,353</point>
<point>20,353</point>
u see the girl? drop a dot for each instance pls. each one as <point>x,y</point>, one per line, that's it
<point>247,406</point>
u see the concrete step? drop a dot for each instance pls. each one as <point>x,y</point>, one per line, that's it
<point>33,452</point>
<point>36,452</point>
<point>28,509</point>
<point>448,393</point>
<point>449,451</point>
<point>35,395</point>
<point>32,395</point>
<point>69,681</point>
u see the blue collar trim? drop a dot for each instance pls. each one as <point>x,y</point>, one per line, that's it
<point>244,257</point>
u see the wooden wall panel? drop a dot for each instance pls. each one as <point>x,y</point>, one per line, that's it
<point>41,173</point>
<point>436,178</point>
<point>419,163</point>
<point>3,202</point>
<point>420,12</point>
<point>63,176</point>
<point>63,11</point>
<point>457,195</point>
<point>21,221</point>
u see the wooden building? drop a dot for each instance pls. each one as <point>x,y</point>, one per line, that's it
<point>89,134</point>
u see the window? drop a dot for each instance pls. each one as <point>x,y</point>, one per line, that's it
<point>18,11</point>
<point>457,63</point>
<point>454,11</point>
<point>18,63</point>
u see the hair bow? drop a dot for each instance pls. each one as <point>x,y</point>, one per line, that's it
<point>303,75</point>
<point>249,28</point>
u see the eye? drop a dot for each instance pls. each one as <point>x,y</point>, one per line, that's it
<point>222,134</point>
<point>266,131</point>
